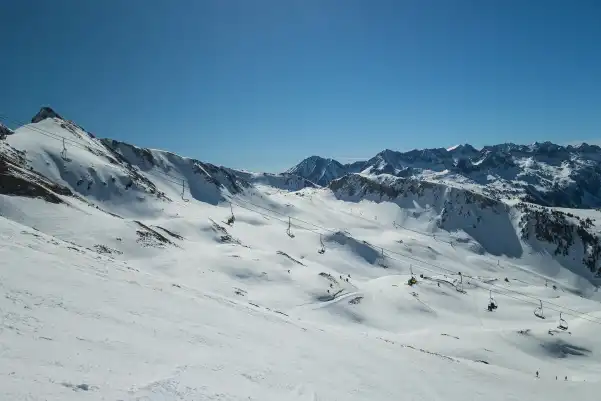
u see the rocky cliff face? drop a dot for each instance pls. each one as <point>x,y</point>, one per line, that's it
<point>4,132</point>
<point>44,113</point>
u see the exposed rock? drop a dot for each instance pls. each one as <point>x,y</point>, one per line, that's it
<point>4,131</point>
<point>44,113</point>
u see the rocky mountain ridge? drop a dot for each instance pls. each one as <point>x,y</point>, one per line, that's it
<point>543,173</point>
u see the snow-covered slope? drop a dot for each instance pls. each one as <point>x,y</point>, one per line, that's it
<point>283,181</point>
<point>122,177</point>
<point>541,173</point>
<point>304,295</point>
<point>484,224</point>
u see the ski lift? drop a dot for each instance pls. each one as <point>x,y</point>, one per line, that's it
<point>563,325</point>
<point>538,312</point>
<point>383,260</point>
<point>412,280</point>
<point>492,304</point>
<point>184,191</point>
<point>288,230</point>
<point>459,286</point>
<point>64,152</point>
<point>230,220</point>
<point>322,250</point>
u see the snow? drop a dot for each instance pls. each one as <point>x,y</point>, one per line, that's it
<point>161,300</point>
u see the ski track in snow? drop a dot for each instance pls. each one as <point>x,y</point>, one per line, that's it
<point>164,301</point>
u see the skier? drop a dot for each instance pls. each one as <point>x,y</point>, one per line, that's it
<point>537,374</point>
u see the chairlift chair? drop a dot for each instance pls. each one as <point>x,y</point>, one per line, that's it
<point>288,230</point>
<point>64,152</point>
<point>321,250</point>
<point>184,191</point>
<point>492,304</point>
<point>538,312</point>
<point>230,220</point>
<point>459,285</point>
<point>563,325</point>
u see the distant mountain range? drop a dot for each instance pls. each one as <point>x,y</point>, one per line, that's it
<point>543,173</point>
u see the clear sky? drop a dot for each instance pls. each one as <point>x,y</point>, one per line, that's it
<point>262,84</point>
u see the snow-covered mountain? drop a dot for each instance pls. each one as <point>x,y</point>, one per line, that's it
<point>283,181</point>
<point>137,274</point>
<point>114,173</point>
<point>572,236</point>
<point>541,173</point>
<point>322,171</point>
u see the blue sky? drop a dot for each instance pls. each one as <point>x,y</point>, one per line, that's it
<point>261,84</point>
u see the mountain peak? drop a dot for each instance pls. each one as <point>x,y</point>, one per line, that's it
<point>44,113</point>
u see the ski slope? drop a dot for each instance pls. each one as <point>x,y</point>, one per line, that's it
<point>139,297</point>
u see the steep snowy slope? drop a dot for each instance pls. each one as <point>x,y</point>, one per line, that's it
<point>542,173</point>
<point>112,173</point>
<point>205,182</point>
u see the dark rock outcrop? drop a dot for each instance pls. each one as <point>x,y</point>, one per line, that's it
<point>44,113</point>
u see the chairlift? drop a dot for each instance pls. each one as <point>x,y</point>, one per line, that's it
<point>322,250</point>
<point>492,304</point>
<point>230,221</point>
<point>64,152</point>
<point>538,312</point>
<point>288,230</point>
<point>563,325</point>
<point>459,286</point>
<point>184,191</point>
<point>412,280</point>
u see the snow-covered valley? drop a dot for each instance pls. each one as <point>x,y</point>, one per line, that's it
<point>125,277</point>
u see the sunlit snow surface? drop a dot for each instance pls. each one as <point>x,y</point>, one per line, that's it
<point>95,306</point>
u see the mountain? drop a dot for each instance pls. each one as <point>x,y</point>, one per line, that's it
<point>543,173</point>
<point>283,181</point>
<point>484,224</point>
<point>110,172</point>
<point>129,273</point>
<point>322,171</point>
